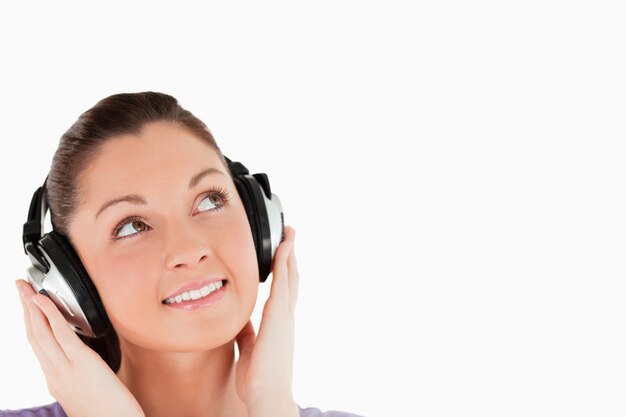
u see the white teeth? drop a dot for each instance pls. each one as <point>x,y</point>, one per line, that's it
<point>195,294</point>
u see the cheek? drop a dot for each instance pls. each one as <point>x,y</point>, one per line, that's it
<point>122,285</point>
<point>238,255</point>
<point>240,251</point>
<point>130,299</point>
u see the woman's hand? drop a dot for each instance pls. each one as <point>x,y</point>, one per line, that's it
<point>77,376</point>
<point>265,366</point>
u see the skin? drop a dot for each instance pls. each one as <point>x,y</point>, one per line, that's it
<point>177,362</point>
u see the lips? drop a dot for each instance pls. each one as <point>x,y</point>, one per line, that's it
<point>195,285</point>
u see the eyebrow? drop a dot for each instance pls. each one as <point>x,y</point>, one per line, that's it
<point>138,199</point>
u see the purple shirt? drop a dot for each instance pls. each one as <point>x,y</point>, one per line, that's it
<point>55,410</point>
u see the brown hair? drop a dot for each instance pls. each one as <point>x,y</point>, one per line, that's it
<point>119,114</point>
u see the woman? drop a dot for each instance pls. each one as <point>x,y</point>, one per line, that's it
<point>144,196</point>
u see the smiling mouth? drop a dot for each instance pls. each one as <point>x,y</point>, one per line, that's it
<point>198,294</point>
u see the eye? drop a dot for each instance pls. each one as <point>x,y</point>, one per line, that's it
<point>127,226</point>
<point>216,198</point>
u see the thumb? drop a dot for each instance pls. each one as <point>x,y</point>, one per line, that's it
<point>246,339</point>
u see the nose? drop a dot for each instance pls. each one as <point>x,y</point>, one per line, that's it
<point>187,245</point>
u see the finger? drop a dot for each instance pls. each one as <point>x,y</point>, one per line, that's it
<point>26,291</point>
<point>294,276</point>
<point>279,292</point>
<point>25,312</point>
<point>64,337</point>
<point>22,292</point>
<point>42,331</point>
<point>47,366</point>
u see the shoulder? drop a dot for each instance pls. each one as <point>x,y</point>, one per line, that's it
<point>48,410</point>
<point>316,412</point>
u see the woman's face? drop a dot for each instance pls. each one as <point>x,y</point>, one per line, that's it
<point>179,236</point>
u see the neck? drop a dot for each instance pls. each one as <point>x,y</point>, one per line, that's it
<point>185,384</point>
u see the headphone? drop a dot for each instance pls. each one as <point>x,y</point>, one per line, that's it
<point>58,273</point>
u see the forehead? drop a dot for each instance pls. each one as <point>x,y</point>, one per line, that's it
<point>163,154</point>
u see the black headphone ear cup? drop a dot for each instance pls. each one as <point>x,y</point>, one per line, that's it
<point>264,211</point>
<point>251,212</point>
<point>67,261</point>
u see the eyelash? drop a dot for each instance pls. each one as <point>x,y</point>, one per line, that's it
<point>219,191</point>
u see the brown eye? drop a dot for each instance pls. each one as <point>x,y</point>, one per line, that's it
<point>216,201</point>
<point>139,226</point>
<point>126,229</point>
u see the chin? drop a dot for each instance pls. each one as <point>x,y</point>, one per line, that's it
<point>183,338</point>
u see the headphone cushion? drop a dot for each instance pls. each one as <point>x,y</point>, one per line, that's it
<point>78,274</point>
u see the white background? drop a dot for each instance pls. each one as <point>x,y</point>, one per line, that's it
<point>455,172</point>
